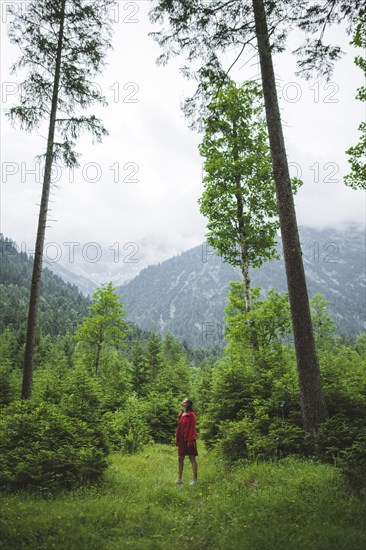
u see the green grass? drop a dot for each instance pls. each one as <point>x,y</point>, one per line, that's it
<point>292,504</point>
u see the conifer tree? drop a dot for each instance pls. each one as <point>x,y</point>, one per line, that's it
<point>154,355</point>
<point>63,45</point>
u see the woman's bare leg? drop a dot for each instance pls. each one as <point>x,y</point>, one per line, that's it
<point>194,467</point>
<point>180,466</point>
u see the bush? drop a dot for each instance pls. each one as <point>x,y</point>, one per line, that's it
<point>353,461</point>
<point>342,441</point>
<point>10,383</point>
<point>233,439</point>
<point>245,439</point>
<point>82,396</point>
<point>42,448</point>
<point>334,435</point>
<point>127,428</point>
<point>162,417</point>
<point>283,439</point>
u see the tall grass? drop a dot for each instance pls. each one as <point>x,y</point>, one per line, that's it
<point>292,504</point>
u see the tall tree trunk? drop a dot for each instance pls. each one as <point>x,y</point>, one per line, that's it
<point>244,264</point>
<point>42,220</point>
<point>247,283</point>
<point>313,404</point>
<point>97,358</point>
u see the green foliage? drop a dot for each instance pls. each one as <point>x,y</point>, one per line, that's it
<point>341,440</point>
<point>82,397</point>
<point>8,345</point>
<point>239,195</point>
<point>239,198</point>
<point>114,379</point>
<point>162,417</point>
<point>233,439</point>
<point>353,460</point>
<point>140,370</point>
<point>154,355</point>
<point>103,326</point>
<point>41,448</point>
<point>51,375</point>
<point>254,403</point>
<point>127,428</point>
<point>174,375</point>
<point>247,403</point>
<point>344,379</point>
<point>357,177</point>
<point>10,382</point>
<point>270,319</point>
<point>323,325</point>
<point>202,387</point>
<point>9,374</point>
<point>86,37</point>
<point>245,439</point>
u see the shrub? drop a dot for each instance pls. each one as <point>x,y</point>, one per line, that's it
<point>162,417</point>
<point>283,439</point>
<point>334,435</point>
<point>82,396</point>
<point>233,439</point>
<point>353,461</point>
<point>245,438</point>
<point>127,428</point>
<point>40,447</point>
<point>9,385</point>
<point>342,441</point>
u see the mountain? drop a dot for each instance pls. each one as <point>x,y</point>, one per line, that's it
<point>187,294</point>
<point>85,286</point>
<point>61,306</point>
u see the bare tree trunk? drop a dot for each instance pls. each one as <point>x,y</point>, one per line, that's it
<point>42,220</point>
<point>97,359</point>
<point>247,284</point>
<point>244,264</point>
<point>313,404</point>
<point>241,224</point>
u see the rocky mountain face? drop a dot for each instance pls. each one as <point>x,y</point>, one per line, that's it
<point>187,294</point>
<point>85,285</point>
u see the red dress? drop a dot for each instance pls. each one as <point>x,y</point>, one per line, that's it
<point>185,436</point>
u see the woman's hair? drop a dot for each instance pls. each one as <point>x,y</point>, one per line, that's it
<point>189,404</point>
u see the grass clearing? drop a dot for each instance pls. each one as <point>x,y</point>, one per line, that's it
<point>291,504</point>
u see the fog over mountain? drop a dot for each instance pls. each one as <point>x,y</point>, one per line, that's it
<point>187,294</point>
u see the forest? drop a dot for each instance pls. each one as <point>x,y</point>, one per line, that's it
<point>89,401</point>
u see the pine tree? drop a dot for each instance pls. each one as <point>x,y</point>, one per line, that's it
<point>63,44</point>
<point>154,358</point>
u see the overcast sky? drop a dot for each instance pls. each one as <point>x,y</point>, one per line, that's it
<point>142,183</point>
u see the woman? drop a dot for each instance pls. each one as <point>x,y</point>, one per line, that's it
<point>185,439</point>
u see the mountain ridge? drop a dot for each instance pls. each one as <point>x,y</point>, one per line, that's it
<point>186,294</point>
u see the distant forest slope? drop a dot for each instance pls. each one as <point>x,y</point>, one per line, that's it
<point>187,294</point>
<point>62,306</point>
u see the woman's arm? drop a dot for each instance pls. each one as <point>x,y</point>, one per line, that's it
<point>176,431</point>
<point>192,429</point>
